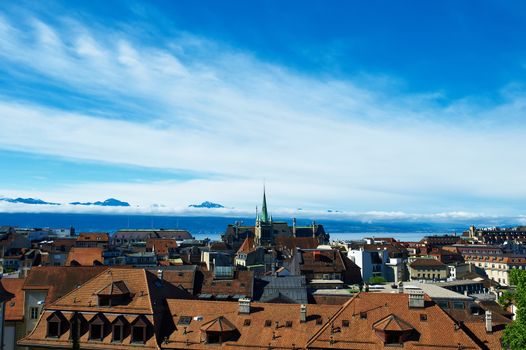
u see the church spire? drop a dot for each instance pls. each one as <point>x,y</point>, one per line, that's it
<point>264,213</point>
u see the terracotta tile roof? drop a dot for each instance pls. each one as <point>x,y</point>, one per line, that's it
<point>291,243</point>
<point>85,297</point>
<point>320,260</point>
<point>38,337</point>
<point>353,326</point>
<point>161,246</point>
<point>14,307</point>
<point>241,284</point>
<point>247,246</point>
<point>78,256</point>
<point>139,297</point>
<point>486,340</point>
<point>423,263</point>
<point>93,236</point>
<point>182,279</point>
<point>277,325</point>
<point>59,280</point>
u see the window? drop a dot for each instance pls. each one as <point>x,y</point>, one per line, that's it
<point>34,313</point>
<point>423,317</point>
<point>138,334</point>
<point>184,320</point>
<point>363,315</point>
<point>138,331</point>
<point>117,330</point>
<point>459,305</point>
<point>96,327</point>
<point>319,321</point>
<point>268,323</point>
<point>246,323</point>
<point>345,323</point>
<point>53,325</point>
<point>288,324</point>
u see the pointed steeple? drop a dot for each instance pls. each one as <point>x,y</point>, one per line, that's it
<point>264,213</point>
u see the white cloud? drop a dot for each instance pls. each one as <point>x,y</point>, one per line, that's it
<point>190,104</point>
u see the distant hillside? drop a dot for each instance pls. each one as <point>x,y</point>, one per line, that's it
<point>27,201</point>
<point>111,202</point>
<point>208,205</point>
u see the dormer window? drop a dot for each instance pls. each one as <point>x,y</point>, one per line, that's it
<point>117,329</point>
<point>115,293</point>
<point>97,327</point>
<point>55,324</point>
<point>139,330</point>
<point>392,330</point>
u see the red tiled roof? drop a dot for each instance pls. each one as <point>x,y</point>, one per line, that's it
<point>160,246</point>
<point>94,236</point>
<point>78,256</point>
<point>428,263</point>
<point>14,307</point>
<point>59,280</point>
<point>247,246</point>
<point>435,328</point>
<point>277,325</point>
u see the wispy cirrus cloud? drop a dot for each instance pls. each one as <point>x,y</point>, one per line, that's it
<point>196,105</point>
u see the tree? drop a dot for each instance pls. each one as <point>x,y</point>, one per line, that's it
<point>515,332</point>
<point>377,280</point>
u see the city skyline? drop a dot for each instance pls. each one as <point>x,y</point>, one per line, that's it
<point>376,112</point>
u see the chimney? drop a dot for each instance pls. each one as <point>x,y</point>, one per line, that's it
<point>244,306</point>
<point>313,229</point>
<point>303,313</point>
<point>160,274</point>
<point>416,298</point>
<point>489,324</point>
<point>294,227</point>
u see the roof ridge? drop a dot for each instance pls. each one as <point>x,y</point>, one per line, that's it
<point>78,287</point>
<point>331,319</point>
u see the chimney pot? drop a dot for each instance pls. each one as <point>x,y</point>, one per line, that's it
<point>303,313</point>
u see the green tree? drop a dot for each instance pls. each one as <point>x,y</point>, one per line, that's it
<point>515,332</point>
<point>506,299</point>
<point>377,280</point>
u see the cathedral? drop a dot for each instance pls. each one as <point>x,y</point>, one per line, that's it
<point>266,230</point>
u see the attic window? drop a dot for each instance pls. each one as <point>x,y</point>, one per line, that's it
<point>423,317</point>
<point>138,330</point>
<point>268,323</point>
<point>53,325</point>
<point>246,323</point>
<point>363,315</point>
<point>345,323</point>
<point>288,324</point>
<point>184,320</point>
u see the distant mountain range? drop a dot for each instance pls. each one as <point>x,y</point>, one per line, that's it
<point>111,202</point>
<point>207,204</point>
<point>27,201</point>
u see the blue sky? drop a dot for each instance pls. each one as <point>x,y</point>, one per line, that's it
<point>377,108</point>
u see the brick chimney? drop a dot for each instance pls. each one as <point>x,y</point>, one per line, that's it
<point>489,322</point>
<point>244,306</point>
<point>303,313</point>
<point>416,298</point>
